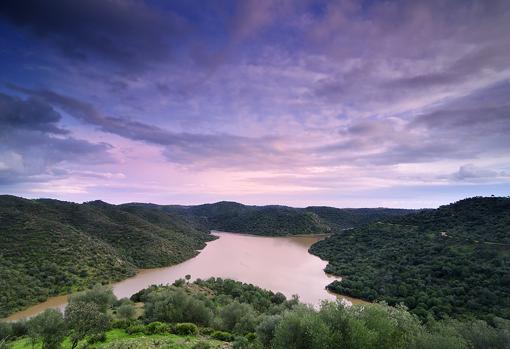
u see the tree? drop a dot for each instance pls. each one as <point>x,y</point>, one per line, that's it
<point>49,327</point>
<point>266,328</point>
<point>85,319</point>
<point>101,295</point>
<point>301,328</point>
<point>126,311</point>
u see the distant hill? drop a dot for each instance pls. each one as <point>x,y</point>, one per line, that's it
<point>50,247</point>
<point>451,261</point>
<point>276,220</point>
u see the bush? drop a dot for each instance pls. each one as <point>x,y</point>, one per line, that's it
<point>122,324</point>
<point>19,328</point>
<point>186,329</point>
<point>174,305</point>
<point>251,336</point>
<point>222,336</point>
<point>241,343</point>
<point>126,311</point>
<point>48,327</point>
<point>265,330</point>
<point>100,337</point>
<point>238,317</point>
<point>5,330</point>
<point>101,295</point>
<point>202,345</point>
<point>206,331</point>
<point>135,329</point>
<point>156,328</point>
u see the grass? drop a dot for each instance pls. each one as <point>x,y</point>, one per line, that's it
<point>117,339</point>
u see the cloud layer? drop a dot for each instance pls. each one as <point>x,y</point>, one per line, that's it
<point>260,101</point>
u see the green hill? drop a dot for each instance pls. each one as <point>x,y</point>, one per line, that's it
<point>452,261</point>
<point>274,220</point>
<point>50,247</point>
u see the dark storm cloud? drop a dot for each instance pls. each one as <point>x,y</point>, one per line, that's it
<point>128,33</point>
<point>30,114</point>
<point>180,147</point>
<point>32,141</point>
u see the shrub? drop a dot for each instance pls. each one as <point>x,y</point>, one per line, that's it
<point>156,328</point>
<point>135,329</point>
<point>96,338</point>
<point>206,331</point>
<point>251,336</point>
<point>186,329</point>
<point>19,328</point>
<point>222,336</point>
<point>126,311</point>
<point>241,343</point>
<point>5,330</point>
<point>174,305</point>
<point>202,345</point>
<point>122,324</point>
<point>265,330</point>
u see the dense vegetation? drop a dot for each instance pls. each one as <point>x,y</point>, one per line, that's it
<point>280,220</point>
<point>453,261</point>
<point>50,247</point>
<point>219,313</point>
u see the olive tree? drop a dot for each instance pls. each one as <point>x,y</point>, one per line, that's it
<point>85,319</point>
<point>48,327</point>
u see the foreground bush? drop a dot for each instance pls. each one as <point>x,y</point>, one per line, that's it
<point>186,329</point>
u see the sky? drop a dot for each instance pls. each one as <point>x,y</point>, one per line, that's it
<point>337,103</point>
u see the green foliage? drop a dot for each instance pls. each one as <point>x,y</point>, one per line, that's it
<point>202,345</point>
<point>85,319</point>
<point>51,247</point>
<point>279,220</point>
<point>100,295</point>
<point>97,338</point>
<point>136,328</point>
<point>47,327</point>
<point>5,330</point>
<point>206,331</point>
<point>449,262</point>
<point>222,336</point>
<point>186,329</point>
<point>156,327</point>
<point>174,305</point>
<point>126,311</point>
<point>237,317</point>
<point>301,329</point>
<point>266,328</point>
<point>291,325</point>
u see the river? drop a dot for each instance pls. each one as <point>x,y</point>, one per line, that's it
<point>280,264</point>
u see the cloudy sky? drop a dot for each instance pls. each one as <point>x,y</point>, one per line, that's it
<point>340,103</point>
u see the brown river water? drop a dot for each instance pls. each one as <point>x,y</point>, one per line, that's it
<point>280,264</point>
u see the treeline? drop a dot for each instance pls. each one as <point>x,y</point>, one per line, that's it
<point>450,262</point>
<point>280,220</point>
<point>211,312</point>
<point>50,247</point>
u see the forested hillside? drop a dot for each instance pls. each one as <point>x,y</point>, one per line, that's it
<point>452,261</point>
<point>50,247</point>
<point>344,218</point>
<point>276,220</point>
